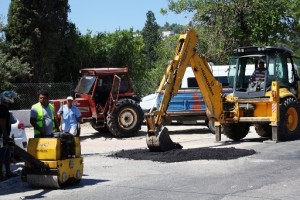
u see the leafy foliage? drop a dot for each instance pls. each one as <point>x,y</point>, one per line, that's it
<point>176,28</point>
<point>166,50</point>
<point>151,37</point>
<point>37,33</point>
<point>224,25</point>
<point>11,68</point>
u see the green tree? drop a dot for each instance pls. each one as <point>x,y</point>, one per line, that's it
<point>166,50</point>
<point>152,38</point>
<point>67,64</point>
<point>12,70</point>
<point>224,25</point>
<point>37,32</point>
<point>176,28</point>
<point>123,48</point>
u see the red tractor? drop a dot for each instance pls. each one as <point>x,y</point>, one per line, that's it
<point>106,99</point>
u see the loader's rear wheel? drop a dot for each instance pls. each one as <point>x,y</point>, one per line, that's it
<point>127,118</point>
<point>289,123</point>
<point>236,131</point>
<point>263,130</point>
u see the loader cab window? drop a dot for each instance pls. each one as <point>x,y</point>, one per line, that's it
<point>278,70</point>
<point>232,71</point>
<point>296,62</point>
<point>245,69</point>
<point>293,70</point>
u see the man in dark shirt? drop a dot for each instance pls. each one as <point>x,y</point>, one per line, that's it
<point>259,73</point>
<point>6,98</point>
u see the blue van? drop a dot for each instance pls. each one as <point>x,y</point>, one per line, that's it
<point>187,106</point>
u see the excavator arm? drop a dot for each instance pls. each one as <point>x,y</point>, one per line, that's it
<point>185,55</point>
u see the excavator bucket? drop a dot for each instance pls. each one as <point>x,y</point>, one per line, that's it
<point>161,140</point>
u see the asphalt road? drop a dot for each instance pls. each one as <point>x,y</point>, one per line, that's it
<point>272,172</point>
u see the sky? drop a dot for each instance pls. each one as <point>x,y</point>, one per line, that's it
<point>112,15</point>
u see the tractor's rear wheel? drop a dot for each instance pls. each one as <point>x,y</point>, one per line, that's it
<point>289,126</point>
<point>126,119</point>
<point>263,130</point>
<point>236,131</point>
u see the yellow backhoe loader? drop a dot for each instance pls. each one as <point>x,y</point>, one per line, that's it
<point>269,103</point>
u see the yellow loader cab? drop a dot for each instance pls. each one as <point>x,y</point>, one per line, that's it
<point>256,101</point>
<point>53,162</point>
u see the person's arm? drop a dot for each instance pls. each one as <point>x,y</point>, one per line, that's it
<point>59,112</point>
<point>56,123</point>
<point>33,122</point>
<point>78,115</point>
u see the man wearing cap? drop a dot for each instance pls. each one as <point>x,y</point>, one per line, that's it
<point>70,116</point>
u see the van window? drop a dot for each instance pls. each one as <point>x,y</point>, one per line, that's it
<point>192,82</point>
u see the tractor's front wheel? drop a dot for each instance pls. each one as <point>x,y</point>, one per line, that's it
<point>101,129</point>
<point>126,119</point>
<point>289,126</point>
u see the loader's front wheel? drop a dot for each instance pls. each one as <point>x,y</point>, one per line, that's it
<point>264,129</point>
<point>289,123</point>
<point>236,131</point>
<point>126,119</point>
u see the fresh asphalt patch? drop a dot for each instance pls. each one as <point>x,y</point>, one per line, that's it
<point>181,155</point>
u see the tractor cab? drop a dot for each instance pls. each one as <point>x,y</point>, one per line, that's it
<point>265,64</point>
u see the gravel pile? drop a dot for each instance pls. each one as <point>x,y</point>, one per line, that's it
<point>181,155</point>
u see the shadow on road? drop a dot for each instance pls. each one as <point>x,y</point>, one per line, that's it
<point>20,187</point>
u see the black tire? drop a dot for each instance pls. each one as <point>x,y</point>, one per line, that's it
<point>206,123</point>
<point>24,174</point>
<point>289,126</point>
<point>126,120</point>
<point>263,130</point>
<point>103,129</point>
<point>212,128</point>
<point>236,131</point>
